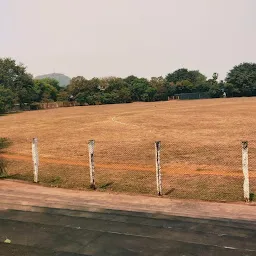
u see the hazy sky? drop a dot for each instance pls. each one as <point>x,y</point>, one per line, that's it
<point>123,37</point>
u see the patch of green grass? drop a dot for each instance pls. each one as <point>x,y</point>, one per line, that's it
<point>3,168</point>
<point>17,176</point>
<point>106,185</point>
<point>55,181</point>
<point>5,143</point>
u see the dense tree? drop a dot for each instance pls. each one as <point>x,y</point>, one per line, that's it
<point>85,91</point>
<point>63,95</point>
<point>231,90</point>
<point>18,87</point>
<point>183,74</point>
<point>213,87</point>
<point>138,88</point>
<point>178,75</point>
<point>185,81</point>
<point>195,77</point>
<point>78,84</point>
<point>45,92</point>
<point>79,88</point>
<point>6,99</point>
<point>15,78</point>
<point>161,87</point>
<point>130,79</point>
<point>184,86</point>
<point>243,79</point>
<point>215,90</point>
<point>215,76</point>
<point>120,90</point>
<point>53,82</point>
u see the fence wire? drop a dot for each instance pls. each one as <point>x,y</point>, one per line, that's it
<point>202,172</point>
<point>210,171</point>
<point>125,166</point>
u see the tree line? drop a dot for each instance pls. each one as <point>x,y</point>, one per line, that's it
<point>19,87</point>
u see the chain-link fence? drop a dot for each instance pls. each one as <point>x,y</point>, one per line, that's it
<point>205,171</point>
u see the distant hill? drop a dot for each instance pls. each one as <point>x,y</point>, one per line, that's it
<point>63,80</point>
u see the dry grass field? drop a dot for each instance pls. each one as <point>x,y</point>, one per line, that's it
<point>200,151</point>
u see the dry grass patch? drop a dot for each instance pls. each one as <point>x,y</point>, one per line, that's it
<point>200,142</point>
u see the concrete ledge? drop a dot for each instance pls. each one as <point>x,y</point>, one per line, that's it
<point>12,192</point>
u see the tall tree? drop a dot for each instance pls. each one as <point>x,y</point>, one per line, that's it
<point>243,79</point>
<point>45,92</point>
<point>15,78</point>
<point>119,88</point>
<point>178,75</point>
<point>78,84</point>
<point>53,82</point>
<point>161,87</point>
<point>130,79</point>
<point>6,99</point>
<point>184,81</point>
<point>139,89</point>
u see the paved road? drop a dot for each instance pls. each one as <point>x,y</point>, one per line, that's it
<point>49,230</point>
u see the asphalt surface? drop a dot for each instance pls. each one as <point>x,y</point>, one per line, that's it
<point>49,231</point>
<point>37,220</point>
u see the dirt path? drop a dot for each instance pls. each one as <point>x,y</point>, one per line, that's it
<point>169,169</point>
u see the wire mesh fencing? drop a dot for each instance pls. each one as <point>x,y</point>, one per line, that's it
<point>204,171</point>
<point>125,166</point>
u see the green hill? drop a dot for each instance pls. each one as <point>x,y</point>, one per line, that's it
<point>62,79</point>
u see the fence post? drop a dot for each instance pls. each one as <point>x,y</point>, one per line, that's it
<point>158,168</point>
<point>91,163</point>
<point>245,170</point>
<point>35,158</point>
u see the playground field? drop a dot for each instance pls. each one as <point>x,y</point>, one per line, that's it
<point>200,144</point>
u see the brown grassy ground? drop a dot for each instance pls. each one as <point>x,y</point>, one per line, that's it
<point>201,146</point>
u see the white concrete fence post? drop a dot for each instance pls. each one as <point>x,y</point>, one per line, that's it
<point>91,163</point>
<point>245,170</point>
<point>158,168</point>
<point>35,158</point>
